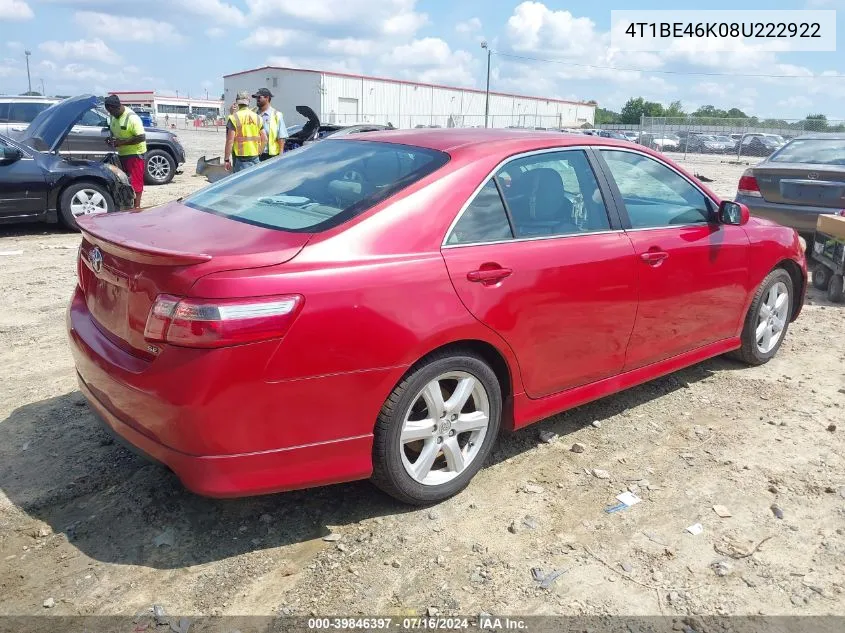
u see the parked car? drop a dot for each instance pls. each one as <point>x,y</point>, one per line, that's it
<point>146,115</point>
<point>758,144</point>
<point>798,182</point>
<point>705,144</point>
<point>314,130</point>
<point>665,142</point>
<point>382,305</point>
<point>87,139</point>
<point>36,184</point>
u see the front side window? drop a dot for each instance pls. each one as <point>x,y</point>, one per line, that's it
<point>318,186</point>
<point>653,194</point>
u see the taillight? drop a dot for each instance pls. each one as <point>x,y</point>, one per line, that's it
<point>218,323</point>
<point>748,185</point>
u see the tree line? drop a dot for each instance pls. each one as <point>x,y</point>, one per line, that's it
<point>635,108</point>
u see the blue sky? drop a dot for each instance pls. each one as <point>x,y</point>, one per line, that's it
<point>188,45</point>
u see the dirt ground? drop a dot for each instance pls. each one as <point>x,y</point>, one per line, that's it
<point>86,527</point>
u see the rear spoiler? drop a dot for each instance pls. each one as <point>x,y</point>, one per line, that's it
<point>120,246</point>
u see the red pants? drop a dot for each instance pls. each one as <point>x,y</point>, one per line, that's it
<point>134,167</point>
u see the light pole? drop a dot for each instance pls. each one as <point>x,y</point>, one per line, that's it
<point>43,89</point>
<point>487,93</point>
<point>28,78</point>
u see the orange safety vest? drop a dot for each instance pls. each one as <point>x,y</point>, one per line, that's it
<point>247,133</point>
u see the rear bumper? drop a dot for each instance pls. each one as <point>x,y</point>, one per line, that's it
<point>212,418</point>
<point>252,473</point>
<point>801,218</point>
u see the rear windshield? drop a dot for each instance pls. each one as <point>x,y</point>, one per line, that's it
<point>317,186</point>
<point>817,151</point>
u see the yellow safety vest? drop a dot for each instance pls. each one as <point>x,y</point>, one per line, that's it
<point>247,133</point>
<point>125,127</point>
<point>274,147</point>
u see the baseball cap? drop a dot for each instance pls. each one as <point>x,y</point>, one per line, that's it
<point>263,92</point>
<point>243,98</point>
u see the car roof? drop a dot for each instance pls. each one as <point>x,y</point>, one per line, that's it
<point>451,139</point>
<point>37,99</point>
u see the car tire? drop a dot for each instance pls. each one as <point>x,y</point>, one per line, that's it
<point>758,347</point>
<point>159,167</point>
<point>836,289</point>
<point>83,198</point>
<point>443,459</point>
<point>821,277</point>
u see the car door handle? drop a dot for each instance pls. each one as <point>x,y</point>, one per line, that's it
<point>489,276</point>
<point>654,257</point>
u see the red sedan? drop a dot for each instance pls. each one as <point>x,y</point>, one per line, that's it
<point>382,306</point>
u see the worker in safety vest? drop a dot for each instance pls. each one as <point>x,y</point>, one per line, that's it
<point>244,136</point>
<point>274,124</point>
<point>130,140</point>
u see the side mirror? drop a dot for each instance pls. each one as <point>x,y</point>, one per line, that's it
<point>9,155</point>
<point>733,213</point>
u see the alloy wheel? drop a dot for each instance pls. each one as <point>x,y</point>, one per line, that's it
<point>444,428</point>
<point>772,317</point>
<point>158,167</point>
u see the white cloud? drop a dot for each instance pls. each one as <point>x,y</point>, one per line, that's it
<point>350,65</point>
<point>349,46</point>
<point>14,45</point>
<point>220,12</point>
<point>431,60</point>
<point>796,102</point>
<point>470,26</point>
<point>270,37</point>
<point>215,31</point>
<point>122,28</point>
<point>15,10</point>
<point>390,17</point>
<point>96,50</point>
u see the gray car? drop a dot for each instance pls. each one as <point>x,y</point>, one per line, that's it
<point>798,182</point>
<point>87,138</point>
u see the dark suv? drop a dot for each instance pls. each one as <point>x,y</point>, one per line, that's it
<point>87,139</point>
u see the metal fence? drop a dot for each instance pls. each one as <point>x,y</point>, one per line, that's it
<point>458,120</point>
<point>740,138</point>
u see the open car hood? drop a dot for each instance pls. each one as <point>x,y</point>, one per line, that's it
<point>49,129</point>
<point>309,130</point>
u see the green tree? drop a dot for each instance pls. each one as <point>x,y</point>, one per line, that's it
<point>635,109</point>
<point>815,123</point>
<point>736,113</point>
<point>675,109</point>
<point>606,116</point>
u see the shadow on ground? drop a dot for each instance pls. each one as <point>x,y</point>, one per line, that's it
<point>59,466</point>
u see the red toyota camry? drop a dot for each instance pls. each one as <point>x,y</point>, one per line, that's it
<point>381,306</point>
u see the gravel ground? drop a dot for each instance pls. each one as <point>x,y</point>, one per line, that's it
<point>89,528</point>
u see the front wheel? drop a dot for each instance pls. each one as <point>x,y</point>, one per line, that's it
<point>768,319</point>
<point>160,167</point>
<point>437,428</point>
<point>84,198</point>
<point>836,289</point>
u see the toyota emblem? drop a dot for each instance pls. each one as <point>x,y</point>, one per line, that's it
<point>813,175</point>
<point>96,259</point>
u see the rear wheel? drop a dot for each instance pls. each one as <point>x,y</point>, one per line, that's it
<point>83,198</point>
<point>836,289</point>
<point>821,276</point>
<point>768,319</point>
<point>437,428</point>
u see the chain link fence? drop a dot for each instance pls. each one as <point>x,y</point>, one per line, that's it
<point>738,138</point>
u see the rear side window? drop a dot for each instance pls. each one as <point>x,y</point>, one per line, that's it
<point>4,112</point>
<point>318,186</point>
<point>24,112</point>
<point>485,219</point>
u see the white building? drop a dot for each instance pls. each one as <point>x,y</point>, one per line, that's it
<point>175,108</point>
<point>343,98</point>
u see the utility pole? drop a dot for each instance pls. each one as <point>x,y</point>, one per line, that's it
<point>28,78</point>
<point>487,93</point>
<point>43,89</point>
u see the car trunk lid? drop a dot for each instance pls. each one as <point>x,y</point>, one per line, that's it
<point>802,184</point>
<point>127,259</point>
